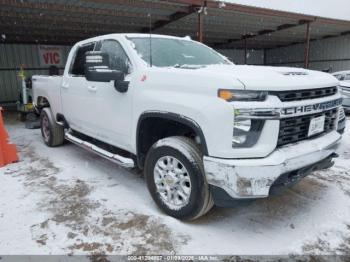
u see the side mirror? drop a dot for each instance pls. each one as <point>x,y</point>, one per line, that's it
<point>97,68</point>
<point>121,86</point>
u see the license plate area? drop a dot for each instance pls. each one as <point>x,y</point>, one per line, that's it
<point>316,125</point>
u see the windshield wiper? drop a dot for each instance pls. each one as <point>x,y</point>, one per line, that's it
<point>187,66</point>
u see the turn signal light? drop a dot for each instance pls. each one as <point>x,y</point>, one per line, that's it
<point>225,94</point>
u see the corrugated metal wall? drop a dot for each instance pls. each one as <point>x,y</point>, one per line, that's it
<point>254,57</point>
<point>326,53</point>
<point>12,56</point>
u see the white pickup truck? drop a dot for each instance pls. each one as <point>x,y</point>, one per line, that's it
<point>204,130</point>
<point>344,78</point>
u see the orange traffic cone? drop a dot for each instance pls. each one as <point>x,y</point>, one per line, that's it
<point>8,152</point>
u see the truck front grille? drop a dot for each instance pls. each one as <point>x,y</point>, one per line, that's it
<point>297,95</point>
<point>295,129</point>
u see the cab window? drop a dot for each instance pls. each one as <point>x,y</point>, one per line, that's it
<point>77,68</point>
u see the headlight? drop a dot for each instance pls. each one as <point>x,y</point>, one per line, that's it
<point>246,132</point>
<point>241,95</point>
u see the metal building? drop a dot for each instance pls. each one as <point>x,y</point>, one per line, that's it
<point>329,53</point>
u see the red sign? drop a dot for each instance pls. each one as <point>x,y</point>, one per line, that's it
<point>51,55</point>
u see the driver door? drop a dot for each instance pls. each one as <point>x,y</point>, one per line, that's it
<point>111,110</point>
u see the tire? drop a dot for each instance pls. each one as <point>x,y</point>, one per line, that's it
<point>31,117</point>
<point>21,116</point>
<point>185,155</point>
<point>53,134</point>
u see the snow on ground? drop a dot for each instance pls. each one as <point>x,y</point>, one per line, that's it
<point>68,201</point>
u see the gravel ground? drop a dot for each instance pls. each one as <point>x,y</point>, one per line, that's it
<point>68,201</point>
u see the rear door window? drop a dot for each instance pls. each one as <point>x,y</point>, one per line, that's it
<point>77,68</point>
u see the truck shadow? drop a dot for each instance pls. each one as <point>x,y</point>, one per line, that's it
<point>286,207</point>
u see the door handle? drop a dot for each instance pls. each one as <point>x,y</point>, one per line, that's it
<point>92,88</point>
<point>65,85</point>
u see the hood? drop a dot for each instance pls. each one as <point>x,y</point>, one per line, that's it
<point>273,78</point>
<point>345,83</point>
<point>209,79</point>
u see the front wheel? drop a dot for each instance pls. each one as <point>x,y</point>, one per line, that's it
<point>175,178</point>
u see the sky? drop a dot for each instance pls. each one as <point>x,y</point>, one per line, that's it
<point>338,9</point>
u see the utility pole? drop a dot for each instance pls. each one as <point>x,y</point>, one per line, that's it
<point>201,12</point>
<point>245,50</point>
<point>307,45</point>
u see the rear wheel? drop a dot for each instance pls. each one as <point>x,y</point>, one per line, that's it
<point>175,178</point>
<point>53,134</point>
<point>21,116</point>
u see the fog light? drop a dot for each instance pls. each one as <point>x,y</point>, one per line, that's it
<point>238,140</point>
<point>246,132</point>
<point>240,131</point>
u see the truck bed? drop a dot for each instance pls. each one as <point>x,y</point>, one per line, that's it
<point>49,87</point>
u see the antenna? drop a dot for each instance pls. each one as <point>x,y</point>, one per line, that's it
<point>150,39</point>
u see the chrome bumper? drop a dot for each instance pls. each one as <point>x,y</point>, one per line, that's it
<point>253,178</point>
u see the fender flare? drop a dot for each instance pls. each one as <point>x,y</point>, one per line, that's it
<point>174,117</point>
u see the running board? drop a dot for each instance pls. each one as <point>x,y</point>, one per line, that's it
<point>120,160</point>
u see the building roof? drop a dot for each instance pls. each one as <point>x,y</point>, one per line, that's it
<point>224,25</point>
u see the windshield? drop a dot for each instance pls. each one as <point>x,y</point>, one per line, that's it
<point>167,52</point>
